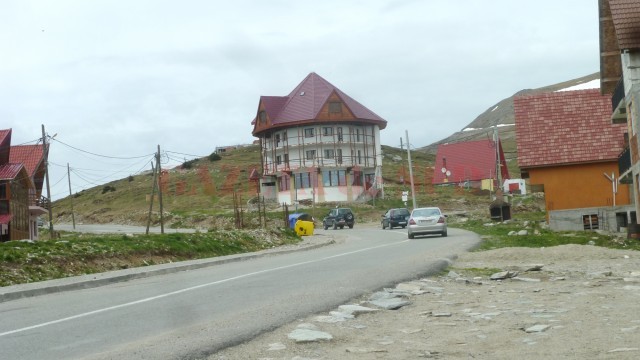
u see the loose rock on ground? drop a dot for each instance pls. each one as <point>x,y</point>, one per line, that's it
<point>570,301</point>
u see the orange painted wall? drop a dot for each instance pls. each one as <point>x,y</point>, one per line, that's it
<point>579,186</point>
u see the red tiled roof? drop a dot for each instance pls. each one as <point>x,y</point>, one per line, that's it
<point>29,155</point>
<point>566,127</point>
<point>308,98</point>
<point>471,160</point>
<point>626,20</point>
<point>10,171</point>
<point>5,218</point>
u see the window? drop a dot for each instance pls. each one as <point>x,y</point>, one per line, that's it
<point>278,160</point>
<point>339,156</point>
<point>263,116</point>
<point>339,130</point>
<point>286,159</point>
<point>277,140</point>
<point>308,132</point>
<point>335,107</point>
<point>359,157</point>
<point>327,131</point>
<point>357,178</point>
<point>334,178</point>
<point>328,154</point>
<point>590,222</point>
<point>3,191</point>
<point>303,180</point>
<point>311,154</point>
<point>284,183</point>
<point>357,135</point>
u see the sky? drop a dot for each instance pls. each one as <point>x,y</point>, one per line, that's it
<point>111,80</point>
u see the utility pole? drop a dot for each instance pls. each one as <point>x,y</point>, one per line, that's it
<point>413,193</point>
<point>403,171</point>
<point>159,170</point>
<point>153,194</point>
<point>73,216</point>
<point>45,149</point>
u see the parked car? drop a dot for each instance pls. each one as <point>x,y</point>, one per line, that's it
<point>395,217</point>
<point>429,220</point>
<point>338,218</point>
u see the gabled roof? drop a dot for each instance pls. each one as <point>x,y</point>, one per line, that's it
<point>563,128</point>
<point>626,20</point>
<point>10,171</point>
<point>306,100</point>
<point>5,144</point>
<point>470,160</point>
<point>29,155</point>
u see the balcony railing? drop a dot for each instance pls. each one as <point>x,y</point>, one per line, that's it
<point>624,164</point>
<point>41,201</point>
<point>618,104</point>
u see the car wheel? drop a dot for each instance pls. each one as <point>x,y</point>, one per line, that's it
<point>325,225</point>
<point>335,226</point>
<point>341,227</point>
<point>444,233</point>
<point>351,226</point>
<point>383,225</point>
<point>411,236</point>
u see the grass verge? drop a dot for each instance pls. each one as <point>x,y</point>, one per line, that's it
<point>78,254</point>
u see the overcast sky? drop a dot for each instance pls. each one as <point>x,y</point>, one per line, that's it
<point>119,77</point>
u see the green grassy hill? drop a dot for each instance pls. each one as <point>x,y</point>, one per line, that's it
<point>203,194</point>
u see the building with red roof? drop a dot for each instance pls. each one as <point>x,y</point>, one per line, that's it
<point>620,68</point>
<point>318,143</point>
<point>469,163</point>
<point>568,148</point>
<point>22,170</point>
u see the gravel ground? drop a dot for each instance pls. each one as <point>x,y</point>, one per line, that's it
<point>582,304</point>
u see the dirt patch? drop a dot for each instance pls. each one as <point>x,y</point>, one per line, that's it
<point>581,304</point>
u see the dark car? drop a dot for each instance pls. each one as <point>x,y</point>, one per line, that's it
<point>395,217</point>
<point>338,218</point>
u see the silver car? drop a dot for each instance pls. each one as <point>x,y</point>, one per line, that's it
<point>429,220</point>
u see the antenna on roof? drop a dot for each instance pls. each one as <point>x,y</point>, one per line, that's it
<point>302,93</point>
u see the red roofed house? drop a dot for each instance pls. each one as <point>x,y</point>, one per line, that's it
<point>319,144</point>
<point>568,147</point>
<point>620,81</point>
<point>469,163</point>
<point>22,171</point>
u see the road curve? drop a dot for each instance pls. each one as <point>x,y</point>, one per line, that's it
<point>190,314</point>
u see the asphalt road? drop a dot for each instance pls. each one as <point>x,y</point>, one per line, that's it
<point>191,314</point>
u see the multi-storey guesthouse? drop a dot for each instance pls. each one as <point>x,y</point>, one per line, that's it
<point>319,144</point>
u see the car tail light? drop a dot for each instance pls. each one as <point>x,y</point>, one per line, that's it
<point>412,222</point>
<point>441,220</point>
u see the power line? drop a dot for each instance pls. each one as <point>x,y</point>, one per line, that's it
<point>104,156</point>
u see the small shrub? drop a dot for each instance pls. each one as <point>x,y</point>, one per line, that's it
<point>188,164</point>
<point>130,178</point>
<point>108,188</point>
<point>214,157</point>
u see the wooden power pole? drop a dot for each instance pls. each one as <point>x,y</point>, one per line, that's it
<point>45,149</point>
<point>159,170</point>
